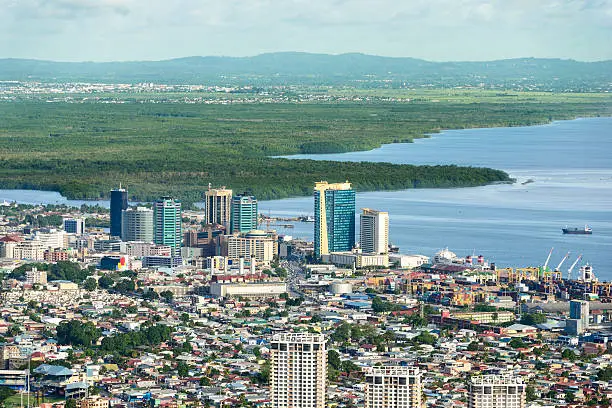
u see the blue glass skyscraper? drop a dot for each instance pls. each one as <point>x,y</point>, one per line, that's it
<point>334,218</point>
<point>118,203</point>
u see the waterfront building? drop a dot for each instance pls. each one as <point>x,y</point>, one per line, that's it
<point>167,224</point>
<point>243,214</point>
<point>74,225</point>
<point>137,224</point>
<point>374,231</point>
<point>393,387</point>
<point>118,203</point>
<point>298,370</point>
<point>496,391</point>
<point>334,218</point>
<point>217,207</point>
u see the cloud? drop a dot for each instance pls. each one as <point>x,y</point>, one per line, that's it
<point>434,29</point>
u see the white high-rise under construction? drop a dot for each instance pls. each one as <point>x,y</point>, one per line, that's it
<point>393,387</point>
<point>496,391</point>
<point>298,370</point>
<point>374,231</point>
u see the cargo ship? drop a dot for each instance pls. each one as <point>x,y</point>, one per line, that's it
<point>578,231</point>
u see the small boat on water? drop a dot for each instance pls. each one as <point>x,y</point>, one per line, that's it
<point>578,231</point>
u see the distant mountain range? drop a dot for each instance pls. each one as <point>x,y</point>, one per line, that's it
<point>322,69</point>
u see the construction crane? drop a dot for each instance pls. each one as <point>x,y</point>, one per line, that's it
<point>571,268</point>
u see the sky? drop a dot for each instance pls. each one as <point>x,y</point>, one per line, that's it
<point>437,30</point>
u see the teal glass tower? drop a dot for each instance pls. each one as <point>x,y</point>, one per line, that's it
<point>167,229</point>
<point>244,213</point>
<point>334,218</point>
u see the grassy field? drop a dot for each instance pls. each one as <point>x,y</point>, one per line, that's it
<point>84,149</point>
<point>15,400</point>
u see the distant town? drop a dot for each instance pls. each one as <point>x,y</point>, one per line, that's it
<point>153,305</point>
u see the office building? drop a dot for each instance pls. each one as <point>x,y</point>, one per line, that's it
<point>118,203</point>
<point>137,224</point>
<point>334,218</point>
<point>393,387</point>
<point>374,231</point>
<point>167,224</point>
<point>243,214</point>
<point>496,391</point>
<point>298,371</point>
<point>74,226</point>
<point>257,245</point>
<point>218,204</point>
<point>579,309</point>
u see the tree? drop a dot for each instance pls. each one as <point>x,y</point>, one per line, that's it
<point>333,359</point>
<point>570,397</point>
<point>568,355</point>
<point>90,284</point>
<point>605,374</point>
<point>77,333</point>
<point>182,369</point>
<point>204,382</point>
<point>105,282</point>
<point>70,403</point>
<point>473,346</point>
<point>517,343</point>
<point>531,393</point>
<point>167,296</point>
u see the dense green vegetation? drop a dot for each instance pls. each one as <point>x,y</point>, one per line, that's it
<point>61,270</point>
<point>124,343</point>
<point>77,333</point>
<point>83,150</point>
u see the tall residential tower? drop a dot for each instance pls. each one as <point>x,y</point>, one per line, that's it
<point>393,387</point>
<point>118,203</point>
<point>167,224</point>
<point>334,218</point>
<point>496,391</point>
<point>298,370</point>
<point>374,230</point>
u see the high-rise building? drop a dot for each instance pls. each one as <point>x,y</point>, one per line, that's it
<point>218,204</point>
<point>118,203</point>
<point>74,225</point>
<point>496,391</point>
<point>334,218</point>
<point>167,224</point>
<point>243,213</point>
<point>374,230</point>
<point>393,387</point>
<point>137,224</point>
<point>298,371</point>
<point>579,309</point>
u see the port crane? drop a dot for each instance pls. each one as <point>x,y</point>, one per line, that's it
<point>545,267</point>
<point>571,268</point>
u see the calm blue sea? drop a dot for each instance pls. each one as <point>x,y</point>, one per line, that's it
<point>568,164</point>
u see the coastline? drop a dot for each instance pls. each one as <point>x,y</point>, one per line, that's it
<point>67,195</point>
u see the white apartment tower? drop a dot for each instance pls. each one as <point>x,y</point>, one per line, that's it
<point>298,371</point>
<point>496,391</point>
<point>393,387</point>
<point>374,230</point>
